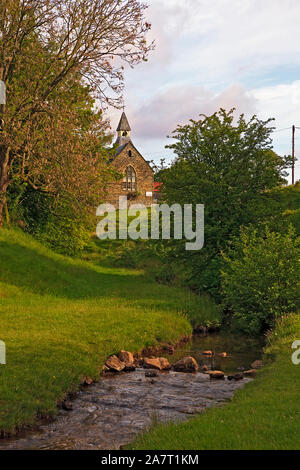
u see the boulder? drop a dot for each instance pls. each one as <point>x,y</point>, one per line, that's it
<point>114,364</point>
<point>204,368</point>
<point>88,381</point>
<point>67,405</point>
<point>129,367</point>
<point>216,374</point>
<point>238,376</point>
<point>187,364</point>
<point>250,373</point>
<point>164,363</point>
<point>151,363</point>
<point>222,354</point>
<point>207,353</point>
<point>257,364</point>
<point>126,356</point>
<point>160,363</point>
<point>105,369</point>
<point>200,330</point>
<point>151,373</point>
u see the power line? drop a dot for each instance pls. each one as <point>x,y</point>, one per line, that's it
<point>284,129</point>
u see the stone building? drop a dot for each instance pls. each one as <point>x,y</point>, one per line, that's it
<point>138,178</point>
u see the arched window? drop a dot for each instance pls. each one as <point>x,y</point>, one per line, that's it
<point>129,180</point>
<point>129,153</point>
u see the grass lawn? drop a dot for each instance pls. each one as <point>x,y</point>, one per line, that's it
<point>265,414</point>
<point>61,317</point>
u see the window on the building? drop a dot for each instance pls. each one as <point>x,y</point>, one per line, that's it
<point>129,153</point>
<point>129,180</point>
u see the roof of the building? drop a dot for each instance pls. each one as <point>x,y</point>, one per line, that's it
<point>122,147</point>
<point>156,186</point>
<point>123,124</point>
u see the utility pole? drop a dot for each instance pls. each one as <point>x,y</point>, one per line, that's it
<point>293,154</point>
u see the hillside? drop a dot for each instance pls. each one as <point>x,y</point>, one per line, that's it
<point>61,317</point>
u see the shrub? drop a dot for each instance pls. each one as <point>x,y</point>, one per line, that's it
<point>64,234</point>
<point>260,280</point>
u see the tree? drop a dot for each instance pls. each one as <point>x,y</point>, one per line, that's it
<point>44,46</point>
<point>260,279</point>
<point>226,165</point>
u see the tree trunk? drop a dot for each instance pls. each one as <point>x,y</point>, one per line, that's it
<point>4,181</point>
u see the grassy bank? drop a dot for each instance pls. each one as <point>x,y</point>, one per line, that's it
<point>60,319</point>
<point>263,415</point>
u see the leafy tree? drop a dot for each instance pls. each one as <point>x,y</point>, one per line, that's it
<point>46,46</point>
<point>260,279</point>
<point>226,165</point>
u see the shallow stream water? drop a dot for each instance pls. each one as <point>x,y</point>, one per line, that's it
<point>110,413</point>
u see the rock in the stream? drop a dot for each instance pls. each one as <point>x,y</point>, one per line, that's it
<point>208,353</point>
<point>216,374</point>
<point>151,373</point>
<point>126,356</point>
<point>160,363</point>
<point>164,363</point>
<point>88,381</point>
<point>222,354</point>
<point>200,330</point>
<point>236,377</point>
<point>129,367</point>
<point>250,373</point>
<point>187,364</point>
<point>114,364</point>
<point>204,368</point>
<point>257,364</point>
<point>67,405</point>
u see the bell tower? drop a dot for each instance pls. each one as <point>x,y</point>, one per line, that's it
<point>123,130</point>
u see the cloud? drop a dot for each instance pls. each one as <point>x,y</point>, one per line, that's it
<point>279,101</point>
<point>177,105</point>
<point>228,53</point>
<point>215,43</point>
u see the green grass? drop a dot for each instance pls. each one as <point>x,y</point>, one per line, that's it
<point>265,414</point>
<point>61,317</point>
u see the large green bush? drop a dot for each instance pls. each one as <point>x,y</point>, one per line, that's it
<point>56,222</point>
<point>260,280</point>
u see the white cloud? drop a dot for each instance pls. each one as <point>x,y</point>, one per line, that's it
<point>164,111</point>
<point>211,54</point>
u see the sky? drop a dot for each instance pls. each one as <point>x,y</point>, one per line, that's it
<point>210,54</point>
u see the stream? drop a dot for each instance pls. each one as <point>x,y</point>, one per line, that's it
<point>111,412</point>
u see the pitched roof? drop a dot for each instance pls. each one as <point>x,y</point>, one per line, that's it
<point>157,186</point>
<point>122,147</point>
<point>123,124</point>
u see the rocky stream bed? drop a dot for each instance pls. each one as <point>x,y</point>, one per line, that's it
<point>110,413</point>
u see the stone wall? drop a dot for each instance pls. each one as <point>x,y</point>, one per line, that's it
<point>144,178</point>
